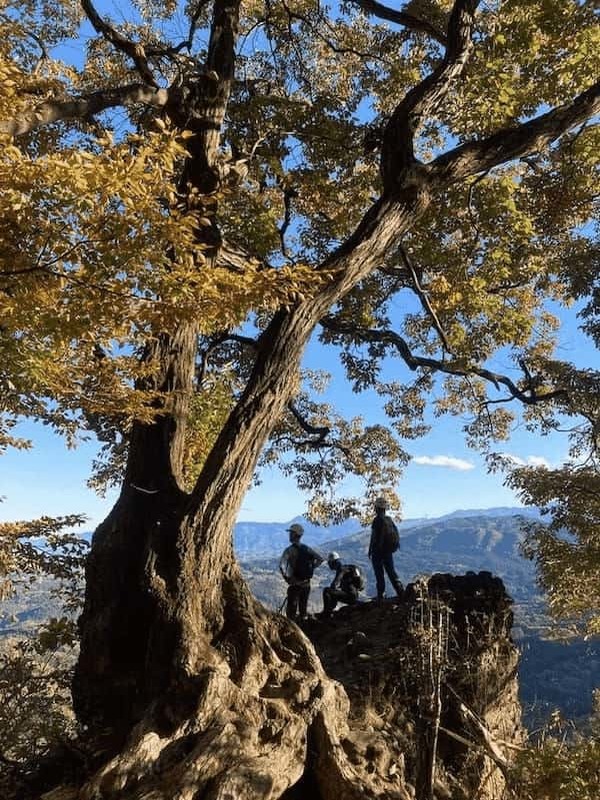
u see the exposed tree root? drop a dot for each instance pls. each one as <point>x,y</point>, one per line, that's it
<point>264,721</point>
<point>244,739</point>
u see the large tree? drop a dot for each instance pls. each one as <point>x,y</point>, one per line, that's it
<point>203,190</point>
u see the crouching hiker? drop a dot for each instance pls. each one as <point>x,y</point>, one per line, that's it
<point>345,586</point>
<point>297,564</point>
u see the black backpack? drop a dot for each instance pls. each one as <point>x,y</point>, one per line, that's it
<point>305,563</point>
<point>391,537</point>
<point>356,578</point>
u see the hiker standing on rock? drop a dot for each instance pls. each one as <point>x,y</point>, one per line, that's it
<point>385,540</point>
<point>297,564</point>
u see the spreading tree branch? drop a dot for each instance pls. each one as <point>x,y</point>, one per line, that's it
<point>515,142</point>
<point>375,9</point>
<point>83,107</point>
<point>320,432</point>
<point>135,50</point>
<point>422,294</point>
<point>397,153</point>
<point>319,435</point>
<point>529,396</point>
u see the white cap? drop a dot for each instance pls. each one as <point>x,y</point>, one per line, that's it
<point>333,557</point>
<point>296,529</point>
<point>381,502</point>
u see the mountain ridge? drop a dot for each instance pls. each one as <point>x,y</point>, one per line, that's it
<point>264,539</point>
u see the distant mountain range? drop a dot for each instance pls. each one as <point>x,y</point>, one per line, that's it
<point>263,539</point>
<point>259,539</point>
<point>466,539</point>
<point>470,539</point>
<point>474,540</point>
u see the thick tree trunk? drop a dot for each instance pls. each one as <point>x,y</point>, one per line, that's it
<point>205,693</point>
<point>175,652</point>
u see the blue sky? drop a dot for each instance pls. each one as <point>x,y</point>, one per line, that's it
<point>444,476</point>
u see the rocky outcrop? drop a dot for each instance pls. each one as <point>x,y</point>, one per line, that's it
<point>432,686</point>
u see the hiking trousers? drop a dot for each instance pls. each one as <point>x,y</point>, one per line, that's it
<point>331,597</point>
<point>297,599</point>
<point>381,562</point>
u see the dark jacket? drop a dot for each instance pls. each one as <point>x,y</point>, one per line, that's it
<point>378,543</point>
<point>287,562</point>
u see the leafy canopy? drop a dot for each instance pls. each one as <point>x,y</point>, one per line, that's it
<point>106,244</point>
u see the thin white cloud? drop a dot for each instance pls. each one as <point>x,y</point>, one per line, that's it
<point>444,461</point>
<point>538,461</point>
<point>528,461</point>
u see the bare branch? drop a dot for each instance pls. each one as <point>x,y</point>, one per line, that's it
<point>423,297</point>
<point>186,44</point>
<point>83,107</point>
<point>528,396</point>
<point>397,153</point>
<point>320,432</point>
<point>516,142</point>
<point>490,745</point>
<point>381,11</point>
<point>135,50</point>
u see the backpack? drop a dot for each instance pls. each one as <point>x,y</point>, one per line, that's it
<point>391,537</point>
<point>305,563</point>
<point>356,578</point>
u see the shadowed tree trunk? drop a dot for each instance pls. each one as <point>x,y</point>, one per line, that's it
<point>172,640</point>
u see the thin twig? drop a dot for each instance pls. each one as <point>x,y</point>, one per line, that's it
<point>424,298</point>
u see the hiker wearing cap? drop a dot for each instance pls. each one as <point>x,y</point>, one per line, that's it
<point>345,586</point>
<point>384,543</point>
<point>297,564</point>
